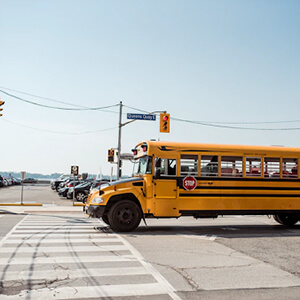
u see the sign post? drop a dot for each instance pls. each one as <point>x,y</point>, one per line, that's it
<point>74,172</point>
<point>23,176</point>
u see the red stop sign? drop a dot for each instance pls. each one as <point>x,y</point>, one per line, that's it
<point>189,183</point>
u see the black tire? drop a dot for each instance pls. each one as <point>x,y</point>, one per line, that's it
<point>287,219</point>
<point>124,216</point>
<point>276,219</point>
<point>80,196</point>
<point>105,219</point>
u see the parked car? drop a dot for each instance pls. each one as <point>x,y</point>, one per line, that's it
<point>81,191</point>
<point>29,180</point>
<point>65,182</point>
<point>5,182</point>
<point>9,181</point>
<point>64,190</point>
<point>55,182</point>
<point>1,181</point>
<point>16,181</point>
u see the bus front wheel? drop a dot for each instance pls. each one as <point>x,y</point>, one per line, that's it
<point>286,219</point>
<point>124,216</point>
<point>105,219</point>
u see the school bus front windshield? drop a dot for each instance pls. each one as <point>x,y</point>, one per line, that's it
<point>142,165</point>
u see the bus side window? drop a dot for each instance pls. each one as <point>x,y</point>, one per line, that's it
<point>165,167</point>
<point>231,166</point>
<point>290,168</point>
<point>253,167</point>
<point>272,167</point>
<point>209,165</point>
<point>188,164</point>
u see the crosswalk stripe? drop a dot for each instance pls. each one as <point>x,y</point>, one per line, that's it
<point>58,241</point>
<point>48,240</point>
<point>61,234</point>
<point>104,291</point>
<point>73,274</point>
<point>67,226</point>
<point>93,248</point>
<point>61,260</point>
<point>53,230</point>
<point>47,224</point>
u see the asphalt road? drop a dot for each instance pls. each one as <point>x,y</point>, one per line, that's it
<point>56,252</point>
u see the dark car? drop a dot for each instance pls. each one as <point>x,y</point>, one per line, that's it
<point>16,181</point>
<point>81,191</point>
<point>55,184</point>
<point>69,184</point>
<point>29,180</point>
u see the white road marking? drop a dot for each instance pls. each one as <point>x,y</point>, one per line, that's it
<point>56,235</point>
<point>61,260</point>
<point>10,233</point>
<point>200,237</point>
<point>160,279</point>
<point>73,274</point>
<point>74,238</point>
<point>84,240</point>
<point>104,291</point>
<point>91,248</point>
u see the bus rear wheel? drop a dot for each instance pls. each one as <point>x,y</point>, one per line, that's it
<point>124,216</point>
<point>286,219</point>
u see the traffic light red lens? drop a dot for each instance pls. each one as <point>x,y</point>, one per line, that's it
<point>165,118</point>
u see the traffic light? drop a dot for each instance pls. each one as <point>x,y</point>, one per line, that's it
<point>1,103</point>
<point>111,155</point>
<point>165,123</point>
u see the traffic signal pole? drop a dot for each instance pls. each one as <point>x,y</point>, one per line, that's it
<point>119,166</point>
<point>119,170</point>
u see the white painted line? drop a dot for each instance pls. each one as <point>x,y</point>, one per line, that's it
<point>159,278</point>
<point>230,228</point>
<point>68,248</point>
<point>36,223</point>
<point>200,237</point>
<point>61,260</point>
<point>54,230</point>
<point>42,227</point>
<point>73,274</point>
<point>10,233</point>
<point>83,292</point>
<point>58,241</point>
<point>66,235</point>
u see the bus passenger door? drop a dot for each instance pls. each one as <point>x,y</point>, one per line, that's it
<point>165,188</point>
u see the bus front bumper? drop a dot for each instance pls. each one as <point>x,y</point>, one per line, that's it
<point>95,211</point>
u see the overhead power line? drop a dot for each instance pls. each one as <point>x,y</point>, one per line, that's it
<point>217,124</point>
<point>223,124</point>
<point>40,97</point>
<point>57,107</point>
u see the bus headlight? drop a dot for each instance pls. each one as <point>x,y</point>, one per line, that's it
<point>97,200</point>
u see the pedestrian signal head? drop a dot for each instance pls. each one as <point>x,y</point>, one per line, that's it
<point>111,155</point>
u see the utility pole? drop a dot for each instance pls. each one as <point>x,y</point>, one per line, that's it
<point>119,169</point>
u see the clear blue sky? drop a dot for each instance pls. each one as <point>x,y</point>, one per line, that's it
<point>213,61</point>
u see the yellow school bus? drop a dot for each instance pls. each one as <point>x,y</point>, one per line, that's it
<point>204,181</point>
